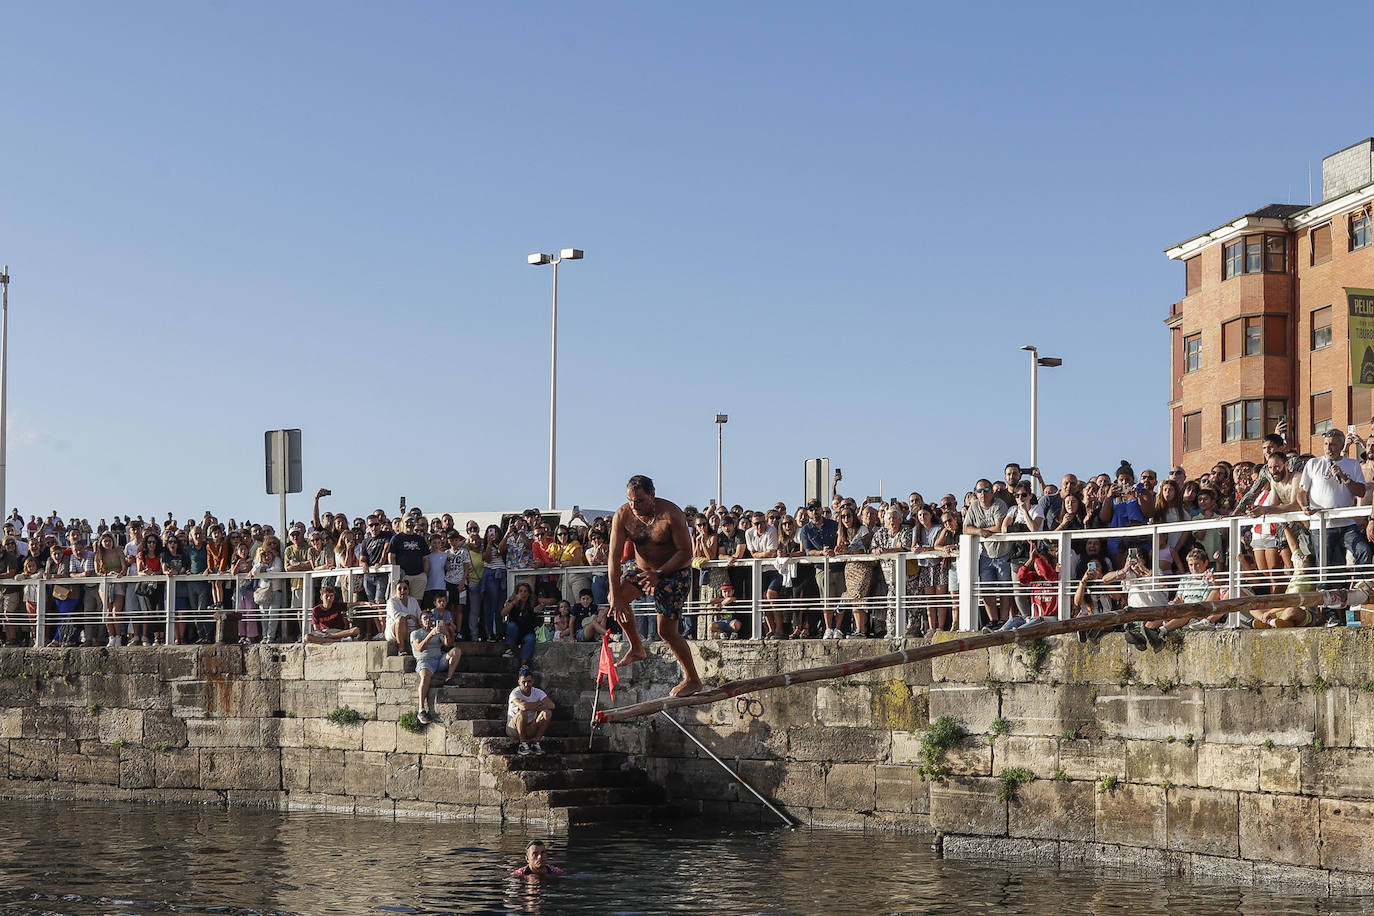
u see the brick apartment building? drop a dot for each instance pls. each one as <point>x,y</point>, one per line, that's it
<point>1261,331</point>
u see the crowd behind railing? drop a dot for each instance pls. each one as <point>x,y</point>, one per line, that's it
<point>1010,551</point>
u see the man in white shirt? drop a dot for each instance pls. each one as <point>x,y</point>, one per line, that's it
<point>761,540</point>
<point>528,713</point>
<point>1332,482</point>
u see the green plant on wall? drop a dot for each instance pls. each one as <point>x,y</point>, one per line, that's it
<point>345,715</point>
<point>1011,780</point>
<point>944,733</point>
<point>1037,651</point>
<point>410,721</point>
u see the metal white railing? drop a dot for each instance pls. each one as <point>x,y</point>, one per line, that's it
<point>887,599</point>
<point>897,609</point>
<point>165,616</point>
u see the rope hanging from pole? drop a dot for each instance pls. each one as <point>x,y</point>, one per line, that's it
<point>1031,631</point>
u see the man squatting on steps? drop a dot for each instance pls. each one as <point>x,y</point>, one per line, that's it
<point>660,569</point>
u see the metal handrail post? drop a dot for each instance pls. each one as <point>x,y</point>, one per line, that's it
<point>1322,559</point>
<point>1233,567</point>
<point>900,612</point>
<point>40,618</point>
<point>169,625</point>
<point>756,588</point>
<point>307,600</point>
<point>967,563</point>
<point>1065,601</point>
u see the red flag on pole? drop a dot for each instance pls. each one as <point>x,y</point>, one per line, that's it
<point>606,666</point>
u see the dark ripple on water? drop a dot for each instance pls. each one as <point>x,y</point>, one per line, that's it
<point>67,858</point>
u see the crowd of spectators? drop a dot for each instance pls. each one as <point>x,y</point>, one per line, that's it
<point>392,570</point>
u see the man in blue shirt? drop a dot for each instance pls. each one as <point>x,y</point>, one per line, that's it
<point>818,537</point>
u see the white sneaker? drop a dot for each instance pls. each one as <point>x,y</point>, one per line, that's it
<point>537,748</point>
<point>857,635</point>
<point>115,642</point>
<point>524,749</point>
<point>1201,623</point>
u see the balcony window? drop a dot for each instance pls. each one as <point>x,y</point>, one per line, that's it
<point>1321,328</point>
<point>1192,353</point>
<point>1359,229</point>
<point>1321,412</point>
<point>1254,335</point>
<point>1320,238</point>
<point>1192,432</point>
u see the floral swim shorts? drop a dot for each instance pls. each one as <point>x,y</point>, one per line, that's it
<point>671,592</point>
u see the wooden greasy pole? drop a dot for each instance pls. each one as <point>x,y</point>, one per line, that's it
<point>1043,627</point>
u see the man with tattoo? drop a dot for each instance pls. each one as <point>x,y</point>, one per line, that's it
<point>660,568</point>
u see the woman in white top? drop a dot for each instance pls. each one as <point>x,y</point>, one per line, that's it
<point>855,536</point>
<point>402,614</point>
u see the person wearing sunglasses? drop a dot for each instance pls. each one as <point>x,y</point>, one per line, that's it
<point>983,517</point>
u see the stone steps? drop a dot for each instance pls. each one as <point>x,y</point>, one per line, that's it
<point>595,762</point>
<point>604,796</point>
<point>560,745</point>
<point>543,780</point>
<point>603,814</point>
<point>470,695</point>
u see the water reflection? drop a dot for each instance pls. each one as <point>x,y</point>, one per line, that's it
<point>74,858</point>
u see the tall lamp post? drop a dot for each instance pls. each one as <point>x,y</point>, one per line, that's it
<point>4,373</point>
<point>1036,362</point>
<point>721,420</point>
<point>537,259</point>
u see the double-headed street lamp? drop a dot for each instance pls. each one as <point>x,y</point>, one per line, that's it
<point>1037,361</point>
<point>537,259</point>
<point>721,420</point>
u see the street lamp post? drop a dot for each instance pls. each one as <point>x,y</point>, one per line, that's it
<point>566,254</point>
<point>1036,362</point>
<point>4,373</point>
<point>721,420</point>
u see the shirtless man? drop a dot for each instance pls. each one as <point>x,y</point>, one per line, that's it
<point>661,569</point>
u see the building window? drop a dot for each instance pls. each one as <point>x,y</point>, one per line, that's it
<point>1359,229</point>
<point>1192,352</point>
<point>1320,239</point>
<point>1321,328</point>
<point>1233,260</point>
<point>1253,336</point>
<point>1192,275</point>
<point>1275,254</point>
<point>1192,432</point>
<point>1252,418</point>
<point>1321,413</point>
<point>1232,421</point>
<point>1255,254</point>
<point>1275,409</point>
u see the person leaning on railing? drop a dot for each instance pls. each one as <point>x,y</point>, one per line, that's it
<point>108,561</point>
<point>1332,482</point>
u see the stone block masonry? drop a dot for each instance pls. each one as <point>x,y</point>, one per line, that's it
<point>252,726</point>
<point>1241,754</point>
<point>1246,755</point>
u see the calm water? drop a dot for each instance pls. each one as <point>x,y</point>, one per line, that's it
<point>58,857</point>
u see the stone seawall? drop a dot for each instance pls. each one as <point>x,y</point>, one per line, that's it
<point>261,726</point>
<point>1244,754</point>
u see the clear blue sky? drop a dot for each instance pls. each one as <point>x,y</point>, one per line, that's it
<point>835,224</point>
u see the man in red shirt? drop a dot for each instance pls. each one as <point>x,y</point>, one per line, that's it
<point>329,619</point>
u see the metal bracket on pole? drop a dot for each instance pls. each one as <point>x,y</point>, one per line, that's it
<point>693,738</point>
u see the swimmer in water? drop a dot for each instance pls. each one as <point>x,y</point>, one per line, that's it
<point>536,862</point>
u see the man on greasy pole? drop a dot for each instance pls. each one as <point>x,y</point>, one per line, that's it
<point>660,569</point>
